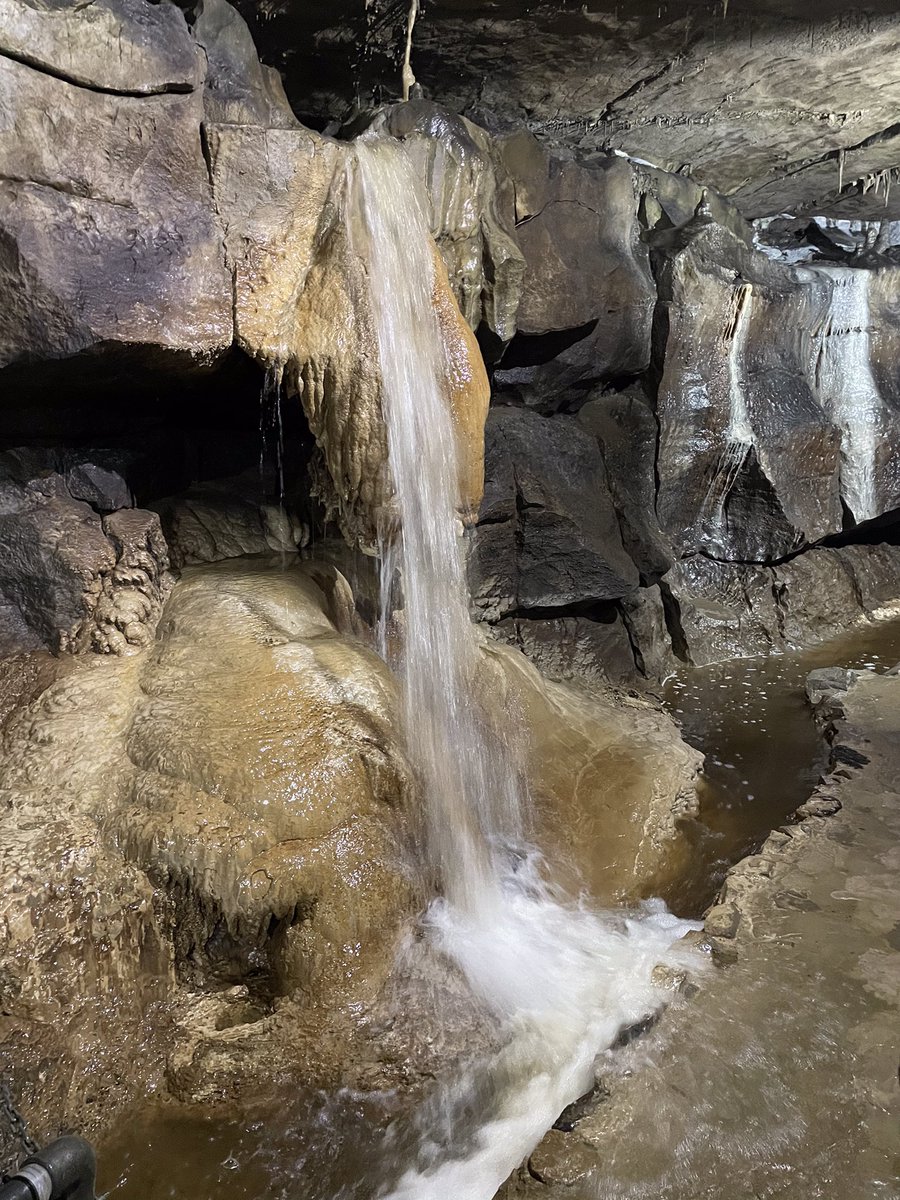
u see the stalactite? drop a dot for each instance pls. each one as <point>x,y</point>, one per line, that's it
<point>408,77</point>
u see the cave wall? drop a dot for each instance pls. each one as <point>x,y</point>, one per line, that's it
<point>664,385</point>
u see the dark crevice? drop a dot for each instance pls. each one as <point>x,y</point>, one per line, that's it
<point>66,189</point>
<point>641,83</point>
<point>672,615</point>
<point>550,204</point>
<point>633,642</point>
<point>884,528</point>
<point>602,612</point>
<point>164,89</point>
<point>536,349</point>
<point>207,154</point>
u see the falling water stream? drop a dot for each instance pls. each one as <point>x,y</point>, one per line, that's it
<point>564,980</point>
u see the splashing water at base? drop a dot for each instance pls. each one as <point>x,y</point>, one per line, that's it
<point>563,980</point>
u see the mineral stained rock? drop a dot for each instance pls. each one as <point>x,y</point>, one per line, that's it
<point>609,781</point>
<point>473,210</point>
<point>748,460</point>
<point>223,807</point>
<point>303,308</point>
<point>71,577</point>
<point>231,808</point>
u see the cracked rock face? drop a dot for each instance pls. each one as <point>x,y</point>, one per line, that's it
<point>728,610</point>
<point>107,235</point>
<point>776,414</point>
<point>74,578</point>
<point>537,546</point>
<point>770,103</point>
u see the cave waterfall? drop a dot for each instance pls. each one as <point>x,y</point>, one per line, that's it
<point>565,979</point>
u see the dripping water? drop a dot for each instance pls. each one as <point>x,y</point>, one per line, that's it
<point>562,980</point>
<point>271,429</point>
<point>284,532</point>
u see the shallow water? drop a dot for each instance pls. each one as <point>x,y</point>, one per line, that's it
<point>764,752</point>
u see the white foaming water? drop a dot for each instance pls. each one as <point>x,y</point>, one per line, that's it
<point>563,979</point>
<point>846,386</point>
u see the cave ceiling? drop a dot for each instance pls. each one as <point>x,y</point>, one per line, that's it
<point>783,106</point>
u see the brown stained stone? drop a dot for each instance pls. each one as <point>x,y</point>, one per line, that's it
<point>225,804</point>
<point>561,1158</point>
<point>610,776</point>
<point>303,308</point>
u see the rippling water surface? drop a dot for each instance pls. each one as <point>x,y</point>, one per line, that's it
<point>764,752</point>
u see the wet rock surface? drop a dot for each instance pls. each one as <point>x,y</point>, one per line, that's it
<point>226,878</point>
<point>74,578</point>
<point>652,81</point>
<point>207,824</point>
<point>807,926</point>
<point>610,777</point>
<point>90,244</point>
<point>727,610</point>
<point>537,546</point>
<point>474,211</point>
<point>204,838</point>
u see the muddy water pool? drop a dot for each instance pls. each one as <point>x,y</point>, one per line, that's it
<point>764,752</point>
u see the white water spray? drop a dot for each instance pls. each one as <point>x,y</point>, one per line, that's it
<point>563,979</point>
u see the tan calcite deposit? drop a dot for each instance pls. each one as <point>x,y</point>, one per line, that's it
<point>610,776</point>
<point>224,807</point>
<point>472,209</point>
<point>303,307</point>
<point>469,390</point>
<point>268,769</point>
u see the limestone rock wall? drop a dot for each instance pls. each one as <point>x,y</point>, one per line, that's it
<point>78,571</point>
<point>107,232</point>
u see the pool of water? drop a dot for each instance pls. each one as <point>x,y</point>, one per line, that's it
<point>764,752</point>
<point>307,1147</point>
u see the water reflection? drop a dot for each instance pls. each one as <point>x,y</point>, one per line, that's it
<point>764,753</point>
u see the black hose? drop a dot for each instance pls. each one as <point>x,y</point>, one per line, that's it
<point>64,1170</point>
